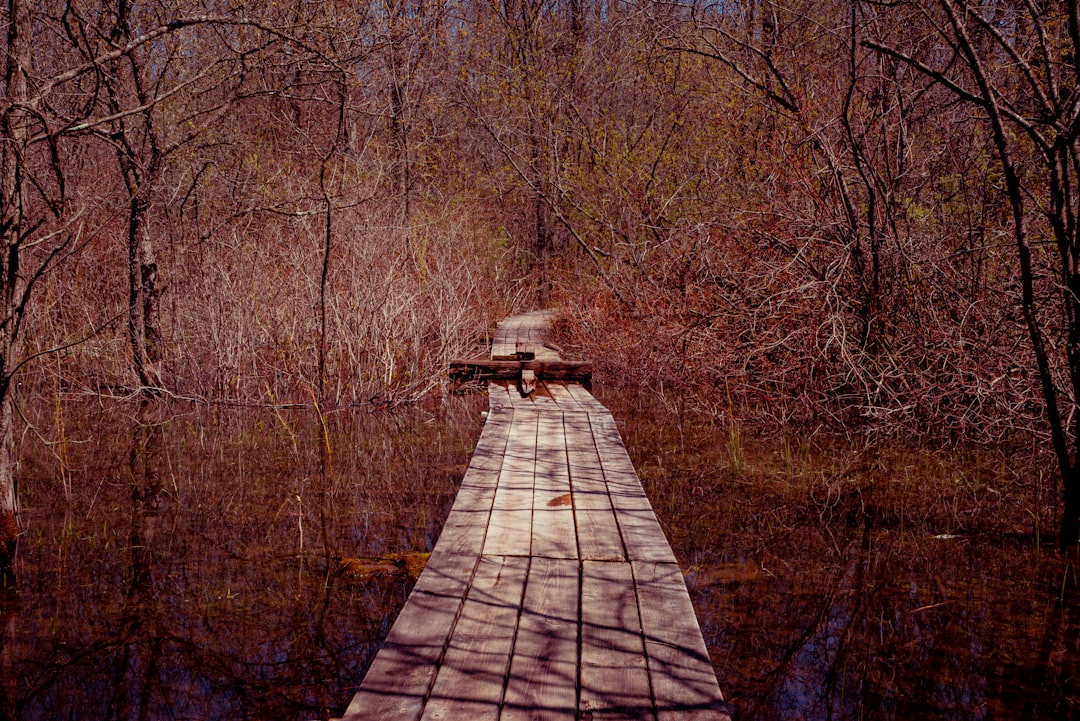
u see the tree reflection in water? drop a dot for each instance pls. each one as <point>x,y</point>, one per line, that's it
<point>846,581</point>
<point>896,630</point>
<point>190,575</point>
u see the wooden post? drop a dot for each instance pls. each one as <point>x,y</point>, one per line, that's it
<point>527,382</point>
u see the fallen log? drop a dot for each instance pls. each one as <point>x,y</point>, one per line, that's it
<point>510,370</point>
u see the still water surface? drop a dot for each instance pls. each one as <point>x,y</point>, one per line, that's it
<point>192,574</point>
<point>866,581</point>
<point>182,562</point>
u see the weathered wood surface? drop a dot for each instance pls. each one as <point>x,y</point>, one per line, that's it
<point>552,592</point>
<point>508,370</point>
<point>524,333</point>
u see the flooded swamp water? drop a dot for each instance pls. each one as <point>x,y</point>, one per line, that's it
<point>840,580</point>
<point>185,562</point>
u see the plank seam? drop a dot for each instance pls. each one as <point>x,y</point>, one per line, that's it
<point>491,506</point>
<point>468,587</point>
<point>607,489</point>
<point>570,484</point>
<point>446,642</point>
<point>514,638</point>
<point>532,501</point>
<point>644,641</point>
<point>580,635</point>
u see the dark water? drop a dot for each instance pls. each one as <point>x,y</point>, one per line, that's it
<point>191,573</point>
<point>181,563</point>
<point>853,581</point>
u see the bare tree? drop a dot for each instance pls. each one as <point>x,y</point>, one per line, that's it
<point>1017,64</point>
<point>31,195</point>
<point>51,98</point>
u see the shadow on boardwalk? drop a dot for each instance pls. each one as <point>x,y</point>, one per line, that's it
<point>552,593</point>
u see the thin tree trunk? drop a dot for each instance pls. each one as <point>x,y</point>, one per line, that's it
<point>325,182</point>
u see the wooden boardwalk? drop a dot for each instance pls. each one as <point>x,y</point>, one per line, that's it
<point>552,592</point>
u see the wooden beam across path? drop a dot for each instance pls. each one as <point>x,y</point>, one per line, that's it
<point>552,592</point>
<point>507,370</point>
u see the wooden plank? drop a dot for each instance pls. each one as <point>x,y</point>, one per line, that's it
<point>502,344</point>
<point>472,677</point>
<point>614,680</point>
<point>542,404</point>
<point>498,397</point>
<point>553,510</point>
<point>543,672</point>
<point>490,448</point>
<point>683,682</point>
<point>505,342</point>
<point>510,527</point>
<point>586,399</point>
<point>519,403</point>
<point>562,396</point>
<point>606,432</point>
<point>533,403</point>
<point>597,530</point>
<point>466,526</point>
<point>516,401</point>
<point>398,680</point>
<point>544,352</point>
<point>641,533</point>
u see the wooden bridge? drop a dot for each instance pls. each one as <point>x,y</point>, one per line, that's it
<point>552,592</point>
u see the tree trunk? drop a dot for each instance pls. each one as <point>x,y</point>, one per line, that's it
<point>139,156</point>
<point>12,282</point>
<point>143,293</point>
